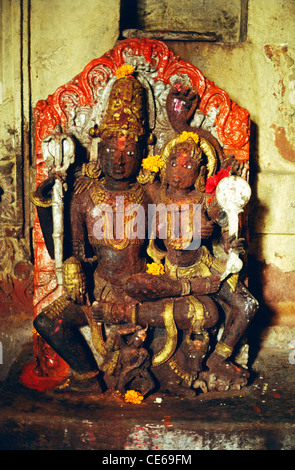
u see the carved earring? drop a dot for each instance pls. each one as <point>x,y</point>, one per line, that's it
<point>91,169</point>
<point>200,183</point>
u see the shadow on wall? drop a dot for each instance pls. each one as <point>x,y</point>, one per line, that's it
<point>128,15</point>
<point>263,317</point>
<point>273,288</point>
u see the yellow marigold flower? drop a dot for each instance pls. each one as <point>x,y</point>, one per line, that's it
<point>155,268</point>
<point>152,163</point>
<point>131,396</point>
<point>189,135</point>
<point>124,70</point>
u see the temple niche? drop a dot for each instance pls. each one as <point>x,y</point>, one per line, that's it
<point>140,124</point>
<point>146,235</point>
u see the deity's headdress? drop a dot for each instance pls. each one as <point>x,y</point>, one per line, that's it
<point>125,115</point>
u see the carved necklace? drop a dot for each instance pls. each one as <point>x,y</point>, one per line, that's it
<point>102,196</point>
<point>178,243</point>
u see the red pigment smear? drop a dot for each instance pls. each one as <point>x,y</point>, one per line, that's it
<point>256,408</point>
<point>167,421</point>
<point>30,380</point>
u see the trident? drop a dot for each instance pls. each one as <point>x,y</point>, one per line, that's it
<point>59,152</point>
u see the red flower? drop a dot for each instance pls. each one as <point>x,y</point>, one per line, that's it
<point>213,181</point>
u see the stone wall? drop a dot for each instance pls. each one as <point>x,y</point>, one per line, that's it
<point>259,74</point>
<point>45,44</point>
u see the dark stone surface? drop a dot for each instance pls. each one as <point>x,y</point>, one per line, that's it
<point>259,417</point>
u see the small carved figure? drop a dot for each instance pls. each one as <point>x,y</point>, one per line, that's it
<point>134,360</point>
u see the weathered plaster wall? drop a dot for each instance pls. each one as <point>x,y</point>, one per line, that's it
<point>66,36</point>
<point>44,44</point>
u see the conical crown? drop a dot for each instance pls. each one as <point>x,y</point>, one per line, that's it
<point>126,109</point>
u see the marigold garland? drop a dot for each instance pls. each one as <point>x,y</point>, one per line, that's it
<point>124,70</point>
<point>189,135</point>
<point>152,163</point>
<point>131,396</point>
<point>155,269</point>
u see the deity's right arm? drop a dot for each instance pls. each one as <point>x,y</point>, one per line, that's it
<point>78,211</point>
<point>41,198</point>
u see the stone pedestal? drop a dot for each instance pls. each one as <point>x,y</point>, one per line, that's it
<point>259,417</point>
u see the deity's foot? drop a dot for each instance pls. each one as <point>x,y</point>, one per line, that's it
<point>182,392</point>
<point>223,377</point>
<point>80,383</point>
<point>187,394</point>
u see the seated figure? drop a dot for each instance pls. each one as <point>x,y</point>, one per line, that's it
<point>187,160</point>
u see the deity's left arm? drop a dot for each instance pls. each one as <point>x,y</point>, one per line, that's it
<point>153,191</point>
<point>214,211</point>
<point>223,239</point>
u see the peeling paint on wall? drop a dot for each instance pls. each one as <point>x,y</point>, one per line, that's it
<point>284,127</point>
<point>282,143</point>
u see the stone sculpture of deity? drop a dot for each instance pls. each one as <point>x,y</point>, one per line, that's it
<point>145,240</point>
